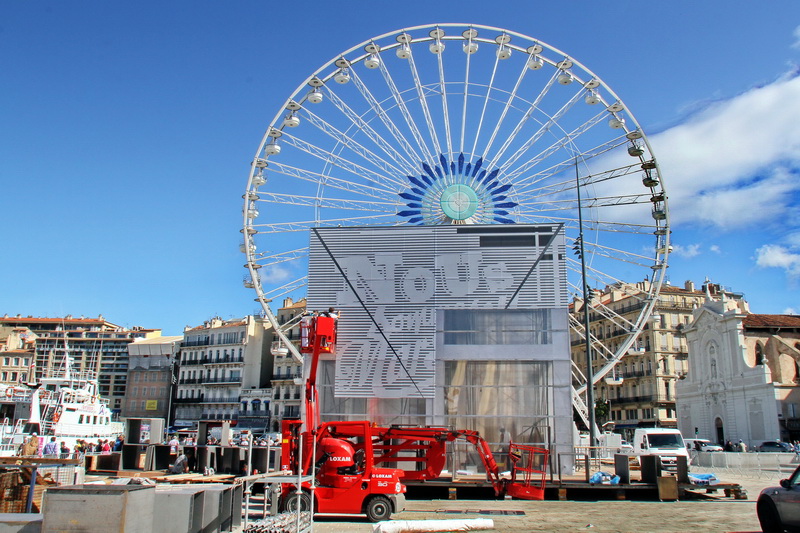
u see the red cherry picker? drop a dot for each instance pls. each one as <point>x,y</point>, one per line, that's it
<point>345,457</point>
<point>346,478</point>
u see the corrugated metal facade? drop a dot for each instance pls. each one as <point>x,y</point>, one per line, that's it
<point>389,283</point>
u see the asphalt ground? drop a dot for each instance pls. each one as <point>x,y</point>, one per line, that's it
<point>717,513</point>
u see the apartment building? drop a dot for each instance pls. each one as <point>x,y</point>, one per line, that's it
<point>641,390</point>
<point>16,354</point>
<point>222,362</point>
<point>97,348</point>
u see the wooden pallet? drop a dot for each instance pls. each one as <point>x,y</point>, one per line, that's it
<point>195,478</point>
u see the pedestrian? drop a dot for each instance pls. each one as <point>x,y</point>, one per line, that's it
<point>181,465</point>
<point>728,446</point>
<point>118,443</point>
<point>51,448</point>
<point>173,445</point>
<point>31,446</point>
<point>106,448</point>
<point>742,446</point>
<point>64,450</point>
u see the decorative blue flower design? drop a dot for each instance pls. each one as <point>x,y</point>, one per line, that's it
<point>457,193</point>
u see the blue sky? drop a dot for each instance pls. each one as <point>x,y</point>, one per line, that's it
<point>127,129</point>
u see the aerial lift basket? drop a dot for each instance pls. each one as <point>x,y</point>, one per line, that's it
<point>528,472</point>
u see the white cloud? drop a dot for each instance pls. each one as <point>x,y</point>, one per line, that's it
<point>789,311</point>
<point>714,248</point>
<point>796,43</point>
<point>688,251</point>
<point>731,164</point>
<point>274,274</point>
<point>776,256</point>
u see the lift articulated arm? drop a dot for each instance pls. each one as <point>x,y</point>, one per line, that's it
<point>319,337</point>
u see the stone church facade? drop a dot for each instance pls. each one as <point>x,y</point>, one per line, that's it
<point>742,380</point>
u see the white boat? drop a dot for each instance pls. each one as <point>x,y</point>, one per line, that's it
<point>65,406</point>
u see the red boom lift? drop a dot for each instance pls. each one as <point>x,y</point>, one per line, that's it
<point>349,478</point>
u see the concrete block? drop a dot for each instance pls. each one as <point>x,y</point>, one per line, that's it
<point>99,508</point>
<point>622,467</point>
<point>178,509</point>
<point>650,468</point>
<point>20,523</point>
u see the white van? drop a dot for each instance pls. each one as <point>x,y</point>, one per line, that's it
<point>666,443</point>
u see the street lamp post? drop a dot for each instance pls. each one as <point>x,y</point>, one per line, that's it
<point>589,368</point>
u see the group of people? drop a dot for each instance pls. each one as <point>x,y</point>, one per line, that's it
<point>175,441</point>
<point>53,448</point>
<point>735,446</point>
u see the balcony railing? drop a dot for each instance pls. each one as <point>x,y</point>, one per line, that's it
<point>230,399</point>
<point>657,398</point>
<point>223,381</point>
<point>189,344</point>
<point>221,360</point>
<point>631,399</point>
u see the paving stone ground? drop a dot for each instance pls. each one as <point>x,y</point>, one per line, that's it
<point>714,515</point>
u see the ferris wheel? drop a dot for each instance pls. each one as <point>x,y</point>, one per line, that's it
<point>462,124</point>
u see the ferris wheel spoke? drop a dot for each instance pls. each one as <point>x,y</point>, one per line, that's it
<point>328,202</point>
<point>601,277</point>
<point>465,102</point>
<point>561,143</point>
<point>597,345</point>
<point>445,106</point>
<point>264,259</point>
<point>569,204</point>
<point>504,112</point>
<point>383,116</point>
<point>387,219</point>
<point>606,227</point>
<point>376,138</point>
<point>340,162</point>
<point>423,101</point>
<point>529,182</point>
<point>354,146</point>
<point>331,182</point>
<point>285,289</point>
<point>525,118</point>
<point>610,252</point>
<point>483,110</point>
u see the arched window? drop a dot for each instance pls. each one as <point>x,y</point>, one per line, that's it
<point>759,354</point>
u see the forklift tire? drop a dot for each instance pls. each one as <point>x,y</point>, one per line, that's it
<point>290,504</point>
<point>379,508</point>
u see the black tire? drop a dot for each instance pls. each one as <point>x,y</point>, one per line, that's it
<point>768,516</point>
<point>291,503</point>
<point>378,508</point>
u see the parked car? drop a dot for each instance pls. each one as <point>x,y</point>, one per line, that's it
<point>775,446</point>
<point>702,445</point>
<point>778,508</point>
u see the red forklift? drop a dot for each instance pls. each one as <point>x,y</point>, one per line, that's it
<point>345,457</point>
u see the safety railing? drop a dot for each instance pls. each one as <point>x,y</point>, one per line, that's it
<point>760,465</point>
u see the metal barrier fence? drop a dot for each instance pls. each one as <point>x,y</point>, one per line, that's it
<point>760,465</point>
